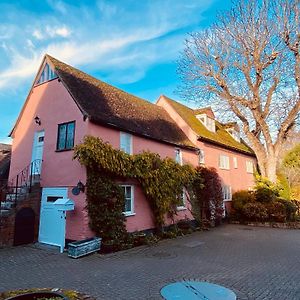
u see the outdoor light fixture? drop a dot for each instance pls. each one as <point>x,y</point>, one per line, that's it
<point>80,186</point>
<point>37,120</point>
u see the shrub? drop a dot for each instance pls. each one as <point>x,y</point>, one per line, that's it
<point>276,212</point>
<point>255,212</point>
<point>265,195</point>
<point>290,208</point>
<point>208,196</point>
<point>265,190</point>
<point>240,198</point>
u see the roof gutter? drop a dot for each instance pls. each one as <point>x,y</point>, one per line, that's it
<point>111,125</point>
<point>201,138</point>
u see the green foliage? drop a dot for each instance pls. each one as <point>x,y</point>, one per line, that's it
<point>265,190</point>
<point>276,211</point>
<point>162,181</point>
<point>239,200</point>
<point>255,212</point>
<point>292,158</point>
<point>273,208</point>
<point>291,169</point>
<point>290,208</point>
<point>105,207</point>
<point>285,190</point>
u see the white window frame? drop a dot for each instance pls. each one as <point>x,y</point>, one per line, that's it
<point>46,74</point>
<point>208,122</point>
<point>131,212</point>
<point>235,134</point>
<point>235,162</point>
<point>249,166</point>
<point>178,151</point>
<point>224,163</point>
<point>201,156</point>
<point>123,142</point>
<point>184,200</point>
<point>227,193</point>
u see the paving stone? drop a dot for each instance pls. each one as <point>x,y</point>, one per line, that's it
<point>260,264</point>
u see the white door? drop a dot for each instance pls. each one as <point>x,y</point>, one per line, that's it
<point>52,221</point>
<point>37,151</point>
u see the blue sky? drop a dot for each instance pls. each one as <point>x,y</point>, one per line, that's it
<point>130,44</point>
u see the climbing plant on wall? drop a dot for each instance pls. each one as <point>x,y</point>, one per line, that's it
<point>162,181</point>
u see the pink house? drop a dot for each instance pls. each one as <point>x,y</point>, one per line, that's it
<point>65,104</point>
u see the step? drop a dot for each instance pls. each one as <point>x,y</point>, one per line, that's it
<point>7,205</point>
<point>4,212</point>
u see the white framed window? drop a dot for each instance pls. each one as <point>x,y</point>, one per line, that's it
<point>235,162</point>
<point>234,134</point>
<point>178,156</point>
<point>201,156</point>
<point>183,200</point>
<point>126,142</point>
<point>208,122</point>
<point>249,166</point>
<point>227,195</point>
<point>46,75</point>
<point>129,199</point>
<point>224,162</point>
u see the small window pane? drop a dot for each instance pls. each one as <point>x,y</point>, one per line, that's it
<point>125,142</point>
<point>70,135</point>
<point>53,198</point>
<point>62,136</point>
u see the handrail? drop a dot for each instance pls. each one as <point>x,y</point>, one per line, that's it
<point>24,179</point>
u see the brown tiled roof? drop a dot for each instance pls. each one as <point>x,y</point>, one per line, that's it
<point>221,137</point>
<point>107,105</point>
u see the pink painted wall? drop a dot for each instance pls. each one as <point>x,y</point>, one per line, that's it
<point>143,218</point>
<point>53,104</point>
<point>238,178</point>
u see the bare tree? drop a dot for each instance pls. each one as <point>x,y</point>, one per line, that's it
<point>249,63</point>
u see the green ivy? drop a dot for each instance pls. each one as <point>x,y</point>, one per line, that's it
<point>162,181</point>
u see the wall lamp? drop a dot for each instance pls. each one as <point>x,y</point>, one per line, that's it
<point>37,120</point>
<point>80,186</point>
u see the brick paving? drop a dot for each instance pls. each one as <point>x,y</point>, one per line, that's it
<point>257,263</point>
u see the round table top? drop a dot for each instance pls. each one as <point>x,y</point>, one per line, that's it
<point>196,290</point>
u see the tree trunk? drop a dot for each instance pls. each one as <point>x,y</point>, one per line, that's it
<point>271,167</point>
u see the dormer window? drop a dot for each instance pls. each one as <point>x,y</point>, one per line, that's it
<point>235,134</point>
<point>46,75</point>
<point>208,122</point>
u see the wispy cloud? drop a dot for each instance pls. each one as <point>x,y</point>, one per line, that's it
<point>126,40</point>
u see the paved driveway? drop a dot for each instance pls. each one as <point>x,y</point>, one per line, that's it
<point>257,263</point>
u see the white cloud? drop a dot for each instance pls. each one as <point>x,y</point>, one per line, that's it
<point>38,34</point>
<point>6,140</point>
<point>121,41</point>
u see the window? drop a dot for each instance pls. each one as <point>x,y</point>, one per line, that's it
<point>227,196</point>
<point>126,142</point>
<point>235,163</point>
<point>208,122</point>
<point>65,136</point>
<point>178,156</point>
<point>201,156</point>
<point>128,193</point>
<point>234,134</point>
<point>183,200</point>
<point>46,75</point>
<point>249,166</point>
<point>224,162</point>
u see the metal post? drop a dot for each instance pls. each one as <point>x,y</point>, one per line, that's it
<point>31,172</point>
<point>17,186</point>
